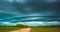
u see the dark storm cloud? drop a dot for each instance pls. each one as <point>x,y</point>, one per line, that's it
<point>29,10</point>
<point>31,6</point>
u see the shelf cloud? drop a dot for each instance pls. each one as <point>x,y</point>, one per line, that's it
<point>32,23</point>
<point>29,12</point>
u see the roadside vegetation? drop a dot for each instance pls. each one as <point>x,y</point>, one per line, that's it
<point>33,28</point>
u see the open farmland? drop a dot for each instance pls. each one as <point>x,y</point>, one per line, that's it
<point>33,29</point>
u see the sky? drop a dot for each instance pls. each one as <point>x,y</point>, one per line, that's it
<point>29,12</point>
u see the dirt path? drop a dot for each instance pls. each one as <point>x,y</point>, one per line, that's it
<point>22,30</point>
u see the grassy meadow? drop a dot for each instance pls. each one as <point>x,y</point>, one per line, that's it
<point>45,29</point>
<point>7,29</point>
<point>33,29</point>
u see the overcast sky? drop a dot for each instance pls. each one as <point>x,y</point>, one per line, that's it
<point>35,12</point>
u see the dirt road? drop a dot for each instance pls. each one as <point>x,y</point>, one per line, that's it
<point>22,30</point>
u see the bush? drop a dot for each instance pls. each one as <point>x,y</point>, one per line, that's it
<point>21,25</point>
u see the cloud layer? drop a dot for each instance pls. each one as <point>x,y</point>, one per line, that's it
<point>29,12</point>
<point>32,23</point>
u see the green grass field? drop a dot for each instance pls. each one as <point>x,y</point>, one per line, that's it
<point>45,29</point>
<point>11,28</point>
<point>7,29</point>
<point>33,29</point>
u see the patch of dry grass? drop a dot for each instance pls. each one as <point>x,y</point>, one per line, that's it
<point>46,29</point>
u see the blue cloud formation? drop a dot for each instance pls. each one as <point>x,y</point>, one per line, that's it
<point>29,12</point>
<point>31,23</point>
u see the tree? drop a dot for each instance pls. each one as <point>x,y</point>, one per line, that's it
<point>21,25</point>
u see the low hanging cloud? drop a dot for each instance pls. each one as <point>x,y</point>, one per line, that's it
<point>24,8</point>
<point>33,23</point>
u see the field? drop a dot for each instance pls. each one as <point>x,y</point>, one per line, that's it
<point>7,29</point>
<point>45,29</point>
<point>33,29</point>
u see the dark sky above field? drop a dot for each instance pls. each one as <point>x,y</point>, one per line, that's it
<point>29,12</point>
